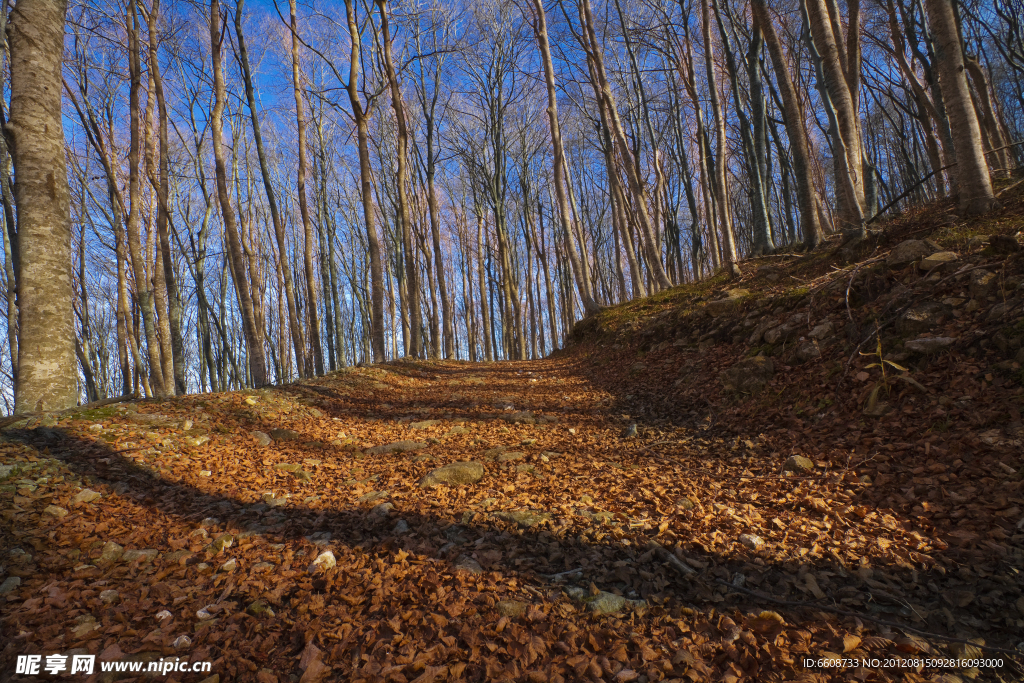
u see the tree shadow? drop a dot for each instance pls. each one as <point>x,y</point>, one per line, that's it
<point>356,619</point>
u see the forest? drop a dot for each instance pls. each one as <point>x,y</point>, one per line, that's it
<point>258,193</point>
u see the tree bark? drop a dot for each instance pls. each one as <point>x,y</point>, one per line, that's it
<point>253,335</point>
<point>794,120</point>
<point>312,300</point>
<point>402,160</point>
<point>35,135</point>
<point>976,196</point>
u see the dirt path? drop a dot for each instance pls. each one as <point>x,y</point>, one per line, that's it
<point>583,552</point>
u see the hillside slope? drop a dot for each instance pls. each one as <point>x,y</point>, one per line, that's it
<point>704,486</point>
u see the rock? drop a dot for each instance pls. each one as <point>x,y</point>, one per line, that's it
<point>229,566</point>
<point>221,543</point>
<point>302,475</point>
<point>251,400</point>
<point>54,511</point>
<point>381,510</point>
<point>146,555</point>
<point>288,466</point>
<point>196,441</point>
<point>9,584</point>
<point>941,260</point>
<point>402,527</point>
<point>751,541</point>
<point>182,642</point>
<point>262,438</point>
<point>372,496</point>
<point>468,472</point>
<point>922,318</point>
<point>999,311</point>
<point>798,463</point>
<point>320,539</point>
<point>273,501</point>
<point>205,473</point>
<point>261,567</point>
<point>259,608</point>
<point>929,345</point>
<point>780,333</point>
<point>424,424</point>
<point>629,432</point>
<point>523,417</point>
<point>468,564</point>
<point>110,596</point>
<point>1003,244</point>
<point>84,625</point>
<point>285,435</point>
<point>821,332</point>
<point>323,562</point>
<point>455,431</point>
<point>111,552</point>
<point>511,455</point>
<point>86,496</point>
<point>524,518</point>
<point>906,252</point>
<point>685,503</point>
<point>6,471</point>
<point>730,303</point>
<point>511,608</point>
<point>396,447</point>
<point>748,376</point>
<point>609,603</point>
<point>807,350</point>
<point>983,283</point>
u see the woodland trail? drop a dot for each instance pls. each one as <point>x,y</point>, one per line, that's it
<point>584,552</point>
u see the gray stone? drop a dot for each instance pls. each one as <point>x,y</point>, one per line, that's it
<point>906,252</point>
<point>261,567</point>
<point>372,496</point>
<point>302,475</point>
<point>923,317</point>
<point>425,424</point>
<point>288,466</point>
<point>1003,244</point>
<point>259,608</point>
<point>929,345</point>
<point>822,332</point>
<point>396,447</point>
<point>381,510</point>
<point>145,555</point>
<point>196,441</point>
<point>523,416</point>
<point>941,260</point>
<point>285,435</point>
<point>511,455</point>
<point>111,552</point>
<point>55,511</point>
<point>9,584</point>
<point>456,473</point>
<point>798,463</point>
<point>323,562</point>
<point>729,303</point>
<point>748,376</point>
<point>983,283</point>
<point>751,541</point>
<point>780,334</point>
<point>468,564</point>
<point>610,603</point>
<point>511,608</point>
<point>86,496</point>
<point>524,518</point>
<point>401,527</point>
<point>110,596</point>
<point>807,350</point>
<point>84,625</point>
<point>6,471</point>
<point>262,438</point>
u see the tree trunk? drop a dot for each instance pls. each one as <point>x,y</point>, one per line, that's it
<point>298,338</point>
<point>253,335</point>
<point>976,196</point>
<point>312,301</point>
<point>366,186</point>
<point>35,134</point>
<point>794,120</point>
<point>402,159</point>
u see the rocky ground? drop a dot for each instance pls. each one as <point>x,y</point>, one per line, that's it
<point>713,484</point>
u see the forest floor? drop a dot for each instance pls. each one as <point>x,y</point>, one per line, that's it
<point>710,484</point>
